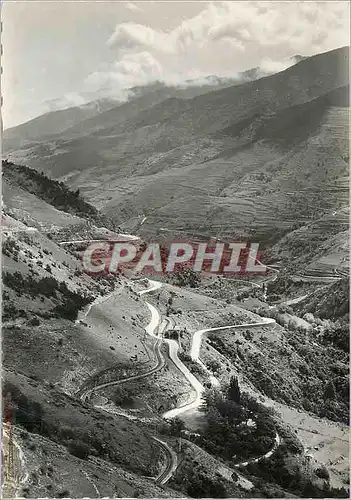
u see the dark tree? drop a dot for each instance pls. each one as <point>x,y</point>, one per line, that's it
<point>177,425</point>
<point>329,391</point>
<point>234,390</point>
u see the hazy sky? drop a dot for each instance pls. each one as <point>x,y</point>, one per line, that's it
<point>61,53</point>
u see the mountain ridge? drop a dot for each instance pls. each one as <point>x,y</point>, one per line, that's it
<point>57,121</point>
<point>267,140</point>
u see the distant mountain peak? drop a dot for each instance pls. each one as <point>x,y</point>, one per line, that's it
<point>298,57</point>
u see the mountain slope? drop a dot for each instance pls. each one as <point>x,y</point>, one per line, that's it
<point>52,123</point>
<point>210,112</point>
<point>266,165</point>
<point>56,122</point>
<point>47,355</point>
<point>245,161</point>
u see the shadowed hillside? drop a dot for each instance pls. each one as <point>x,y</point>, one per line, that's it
<point>53,192</point>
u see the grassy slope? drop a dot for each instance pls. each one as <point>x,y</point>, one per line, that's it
<point>317,247</point>
<point>51,192</point>
<point>79,350</point>
<point>33,211</point>
<point>50,473</point>
<point>330,302</point>
<point>61,418</point>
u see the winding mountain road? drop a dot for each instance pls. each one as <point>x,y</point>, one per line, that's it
<point>160,361</point>
<point>150,329</point>
<point>266,455</point>
<point>197,337</point>
<point>128,237</point>
<point>171,465</point>
<point>173,346</point>
<point>199,388</point>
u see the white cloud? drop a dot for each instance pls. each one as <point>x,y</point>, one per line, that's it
<point>270,66</point>
<point>133,69</point>
<point>133,7</point>
<point>67,101</point>
<point>223,39</point>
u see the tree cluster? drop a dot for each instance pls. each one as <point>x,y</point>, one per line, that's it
<point>69,303</point>
<point>227,434</point>
<point>56,193</point>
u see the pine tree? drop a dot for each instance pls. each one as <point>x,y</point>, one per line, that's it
<point>329,391</point>
<point>234,390</point>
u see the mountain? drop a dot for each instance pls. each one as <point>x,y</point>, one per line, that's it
<point>248,160</point>
<point>298,57</point>
<point>52,123</point>
<point>55,122</point>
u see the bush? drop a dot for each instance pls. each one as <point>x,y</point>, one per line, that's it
<point>185,276</point>
<point>322,473</point>
<point>234,390</point>
<point>78,449</point>
<point>64,494</point>
<point>213,365</point>
<point>121,397</point>
<point>248,335</point>
<point>67,310</point>
<point>177,425</point>
<point>25,491</point>
<point>329,391</point>
<point>34,322</point>
<point>70,304</point>
<point>27,413</point>
<point>235,476</point>
<point>139,492</point>
<point>226,432</point>
<point>203,486</point>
